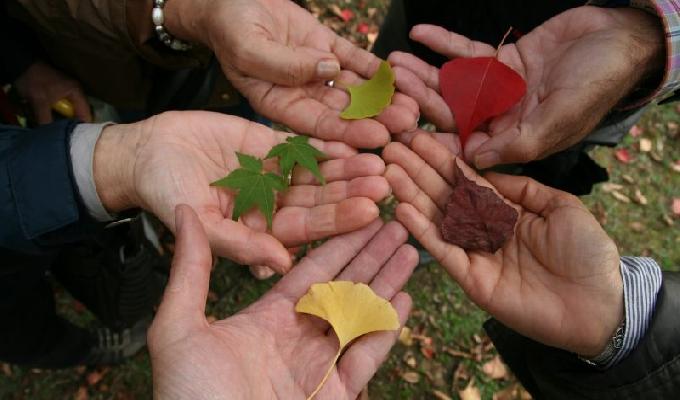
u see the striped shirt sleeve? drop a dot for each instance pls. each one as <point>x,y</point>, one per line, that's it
<point>669,13</point>
<point>641,283</point>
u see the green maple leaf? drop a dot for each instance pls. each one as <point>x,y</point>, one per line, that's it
<point>255,187</point>
<point>372,96</point>
<point>297,149</point>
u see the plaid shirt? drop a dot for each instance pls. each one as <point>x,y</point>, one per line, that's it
<point>669,12</point>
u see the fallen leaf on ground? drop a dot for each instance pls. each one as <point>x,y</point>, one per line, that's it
<point>623,156</point>
<point>636,131</point>
<point>495,369</point>
<point>410,377</point>
<point>351,309</point>
<point>371,97</point>
<point>676,166</point>
<point>471,392</point>
<point>621,197</point>
<point>609,187</point>
<point>676,206</point>
<point>6,369</point>
<point>81,394</point>
<point>628,179</point>
<point>640,198</point>
<point>439,395</point>
<point>405,336</point>
<point>645,145</point>
<point>637,226</point>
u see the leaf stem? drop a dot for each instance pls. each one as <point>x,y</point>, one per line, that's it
<point>503,41</point>
<point>328,373</point>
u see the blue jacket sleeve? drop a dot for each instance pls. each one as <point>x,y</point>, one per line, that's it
<point>40,208</point>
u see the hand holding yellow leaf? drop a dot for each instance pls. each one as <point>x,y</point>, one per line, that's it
<point>373,96</point>
<point>352,310</point>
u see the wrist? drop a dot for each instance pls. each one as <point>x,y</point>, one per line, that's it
<point>184,19</point>
<point>113,167</point>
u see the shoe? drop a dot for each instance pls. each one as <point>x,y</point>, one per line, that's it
<point>113,347</point>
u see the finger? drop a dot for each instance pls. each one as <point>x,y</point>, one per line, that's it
<point>354,58</point>
<point>187,289</point>
<point>298,225</point>
<point>362,359</point>
<point>474,142</point>
<point>325,262</point>
<point>286,65</point>
<point>360,165</point>
<point>394,275</point>
<point>435,155</point>
<point>428,180</point>
<point>449,44</point>
<point>331,149</point>
<point>452,258</point>
<point>245,246</point>
<point>80,105</point>
<point>375,188</point>
<point>43,113</point>
<point>450,140</point>
<point>531,195</point>
<point>407,191</point>
<point>425,72</point>
<point>432,105</point>
<point>369,261</point>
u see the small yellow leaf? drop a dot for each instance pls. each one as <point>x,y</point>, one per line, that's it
<point>351,309</point>
<point>371,97</point>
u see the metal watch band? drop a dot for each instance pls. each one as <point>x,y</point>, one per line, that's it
<point>615,344</point>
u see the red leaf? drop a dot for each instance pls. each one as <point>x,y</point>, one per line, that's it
<point>477,89</point>
<point>363,28</point>
<point>477,218</point>
<point>346,14</point>
<point>623,155</point>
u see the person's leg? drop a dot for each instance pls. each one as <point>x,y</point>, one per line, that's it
<point>32,334</point>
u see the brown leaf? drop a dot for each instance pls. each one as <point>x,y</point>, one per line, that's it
<point>439,395</point>
<point>676,166</point>
<point>495,369</point>
<point>640,198</point>
<point>81,394</point>
<point>471,392</point>
<point>609,187</point>
<point>628,178</point>
<point>637,226</point>
<point>457,353</point>
<point>477,218</point>
<point>645,145</point>
<point>410,377</point>
<point>676,206</point>
<point>621,197</point>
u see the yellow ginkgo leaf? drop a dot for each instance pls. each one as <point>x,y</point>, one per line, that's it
<point>371,97</point>
<point>352,309</point>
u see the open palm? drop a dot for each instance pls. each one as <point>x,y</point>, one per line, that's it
<point>178,155</point>
<point>577,65</point>
<point>268,350</point>
<point>270,51</point>
<point>557,280</point>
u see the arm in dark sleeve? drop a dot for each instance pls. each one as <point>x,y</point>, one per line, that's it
<point>40,208</point>
<point>650,371</point>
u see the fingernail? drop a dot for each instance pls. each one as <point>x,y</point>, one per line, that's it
<point>487,159</point>
<point>179,218</point>
<point>327,69</point>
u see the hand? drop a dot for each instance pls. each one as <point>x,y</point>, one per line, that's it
<point>268,350</point>
<point>172,158</point>
<point>578,66</point>
<point>556,281</point>
<point>278,56</point>
<point>42,86</point>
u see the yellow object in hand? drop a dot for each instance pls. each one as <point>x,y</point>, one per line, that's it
<point>64,107</point>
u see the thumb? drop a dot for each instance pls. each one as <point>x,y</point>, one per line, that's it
<point>187,290</point>
<point>290,66</point>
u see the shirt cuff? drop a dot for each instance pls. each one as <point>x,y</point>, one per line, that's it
<point>641,284</point>
<point>83,141</point>
<point>668,12</point>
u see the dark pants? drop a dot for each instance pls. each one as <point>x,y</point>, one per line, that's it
<point>488,20</point>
